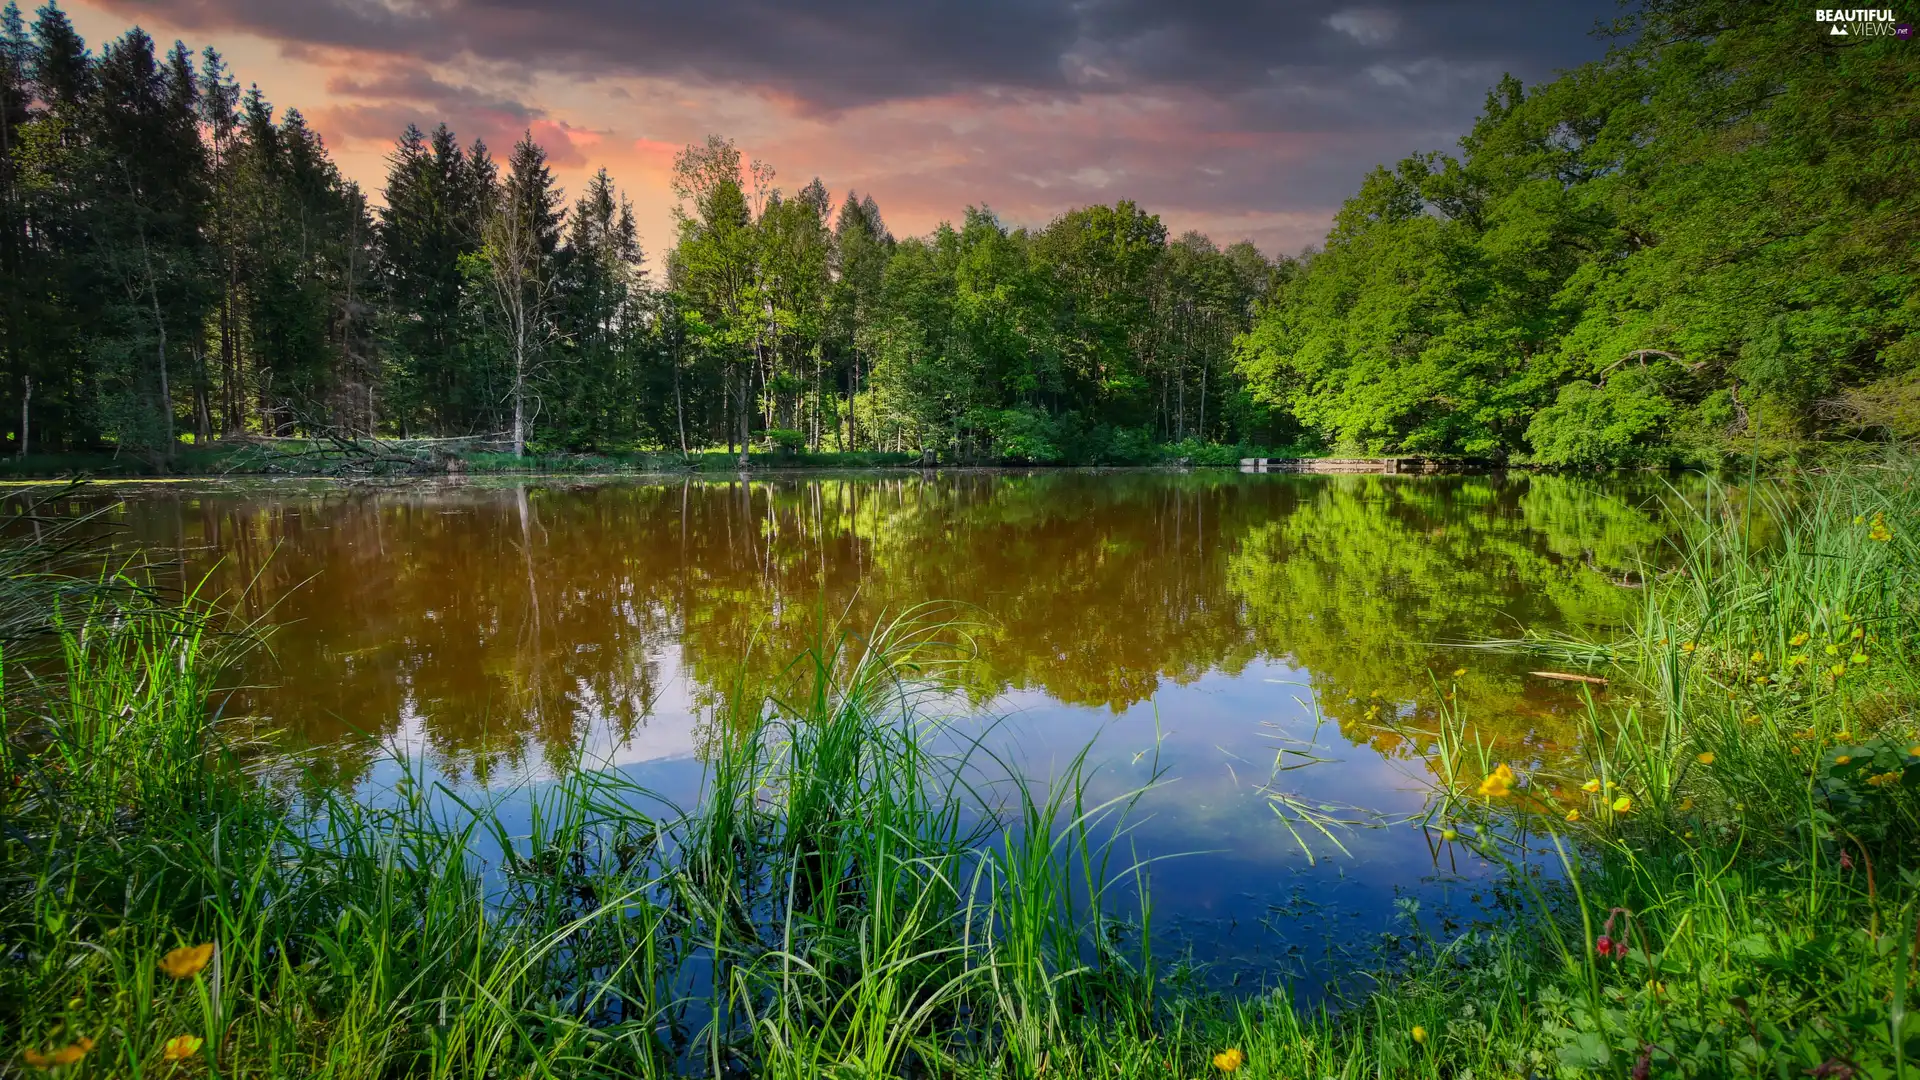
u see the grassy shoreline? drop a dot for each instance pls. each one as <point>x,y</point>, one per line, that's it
<point>1740,891</point>
<point>314,459</point>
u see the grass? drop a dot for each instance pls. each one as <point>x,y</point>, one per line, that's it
<point>398,458</point>
<point>1736,895</point>
<point>842,899</point>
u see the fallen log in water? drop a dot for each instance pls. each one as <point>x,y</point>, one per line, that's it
<point>1563,676</point>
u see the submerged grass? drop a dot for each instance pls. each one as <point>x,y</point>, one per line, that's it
<point>1723,885</point>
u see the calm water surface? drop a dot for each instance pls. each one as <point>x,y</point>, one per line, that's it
<point>492,631</point>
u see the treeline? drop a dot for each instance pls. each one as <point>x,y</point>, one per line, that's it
<point>1709,238</point>
<point>182,265</point>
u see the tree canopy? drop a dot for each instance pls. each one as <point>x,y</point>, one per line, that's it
<point>1709,237</point>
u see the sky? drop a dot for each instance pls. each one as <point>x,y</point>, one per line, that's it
<point>1243,120</point>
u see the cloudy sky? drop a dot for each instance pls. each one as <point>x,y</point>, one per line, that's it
<point>1240,119</point>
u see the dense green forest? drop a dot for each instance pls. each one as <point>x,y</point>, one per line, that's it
<point>1708,237</point>
<point>1713,234</point>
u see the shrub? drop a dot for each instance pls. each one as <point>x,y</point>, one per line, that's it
<point>1616,423</point>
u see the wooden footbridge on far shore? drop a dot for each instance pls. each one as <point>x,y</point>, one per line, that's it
<point>1390,466</point>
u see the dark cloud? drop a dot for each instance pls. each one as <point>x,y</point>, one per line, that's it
<point>376,104</point>
<point>400,83</point>
<point>1252,117</point>
<point>831,54</point>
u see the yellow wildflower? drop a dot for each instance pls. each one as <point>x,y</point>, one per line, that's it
<point>181,1047</point>
<point>1758,657</point>
<point>1880,532</point>
<point>1623,804</point>
<point>1688,647</point>
<point>1885,779</point>
<point>1499,785</point>
<point>1373,711</point>
<point>1832,649</point>
<point>1419,1034</point>
<point>186,961</point>
<point>1837,670</point>
<point>1229,1060</point>
<point>1591,786</point>
<point>1449,835</point>
<point>1859,519</point>
<point>1760,680</point>
<point>1457,672</point>
<point>1800,639</point>
<point>1705,757</point>
<point>1573,816</point>
<point>1858,633</point>
<point>1798,660</point>
<point>1843,759</point>
<point>1913,751</point>
<point>1686,804</point>
<point>54,1059</point>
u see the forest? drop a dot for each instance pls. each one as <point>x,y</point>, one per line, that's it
<point>1707,240</point>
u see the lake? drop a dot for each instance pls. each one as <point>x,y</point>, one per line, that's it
<point>1209,624</point>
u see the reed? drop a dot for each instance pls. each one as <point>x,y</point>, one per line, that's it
<point>843,899</point>
<point>1721,884</point>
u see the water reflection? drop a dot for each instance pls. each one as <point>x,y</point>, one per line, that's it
<point>501,628</point>
<point>499,624</point>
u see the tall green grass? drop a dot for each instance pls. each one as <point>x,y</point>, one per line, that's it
<point>843,900</point>
<point>860,892</point>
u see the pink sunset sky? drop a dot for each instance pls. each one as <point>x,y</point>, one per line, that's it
<point>1241,120</point>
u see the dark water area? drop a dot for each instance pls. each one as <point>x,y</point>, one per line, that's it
<point>1211,625</point>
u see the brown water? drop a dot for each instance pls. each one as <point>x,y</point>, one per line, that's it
<point>495,630</point>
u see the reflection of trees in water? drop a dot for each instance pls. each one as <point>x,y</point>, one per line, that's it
<point>510,619</point>
<point>1366,582</point>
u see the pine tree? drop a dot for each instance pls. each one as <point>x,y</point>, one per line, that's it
<point>147,174</point>
<point>17,301</point>
<point>602,305</point>
<point>437,198</point>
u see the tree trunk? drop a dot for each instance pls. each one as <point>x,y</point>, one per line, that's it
<point>745,414</point>
<point>519,396</point>
<point>679,408</point>
<point>26,396</point>
<point>160,328</point>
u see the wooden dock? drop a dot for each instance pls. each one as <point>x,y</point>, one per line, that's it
<point>1392,466</point>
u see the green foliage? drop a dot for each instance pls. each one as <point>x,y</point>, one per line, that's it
<point>1719,192</point>
<point>1020,434</point>
<point>1620,422</point>
<point>180,262</point>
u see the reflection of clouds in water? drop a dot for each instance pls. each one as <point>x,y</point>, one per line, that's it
<point>670,733</point>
